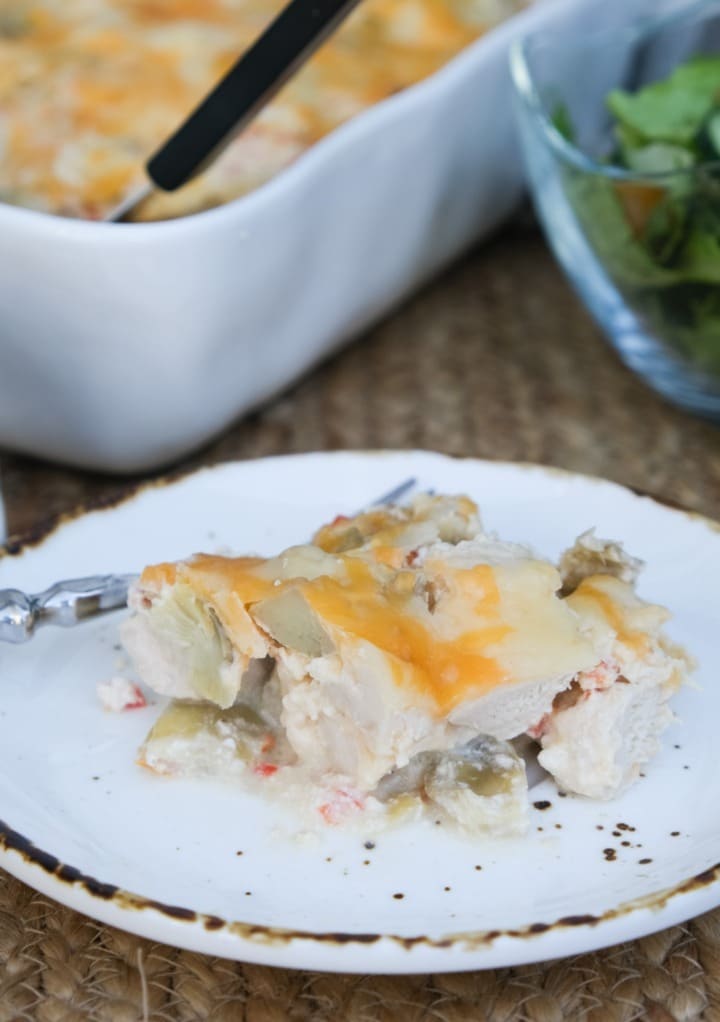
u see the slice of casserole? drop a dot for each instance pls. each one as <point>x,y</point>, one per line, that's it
<point>399,653</point>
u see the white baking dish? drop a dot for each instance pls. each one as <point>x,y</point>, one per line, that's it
<point>123,346</point>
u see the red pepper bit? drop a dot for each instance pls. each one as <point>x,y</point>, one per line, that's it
<point>268,743</point>
<point>138,700</point>
<point>342,803</point>
<point>327,812</point>
<point>538,730</point>
<point>265,769</point>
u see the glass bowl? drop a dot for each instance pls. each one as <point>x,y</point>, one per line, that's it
<point>641,247</point>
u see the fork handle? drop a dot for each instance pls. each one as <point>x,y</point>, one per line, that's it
<point>65,603</point>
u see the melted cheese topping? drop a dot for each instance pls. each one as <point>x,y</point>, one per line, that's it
<point>396,621</point>
<point>447,634</point>
<point>615,603</point>
<point>90,88</point>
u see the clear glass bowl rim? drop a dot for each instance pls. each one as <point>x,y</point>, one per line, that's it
<point>528,94</point>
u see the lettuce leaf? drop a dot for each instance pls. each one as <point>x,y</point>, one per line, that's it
<point>672,110</point>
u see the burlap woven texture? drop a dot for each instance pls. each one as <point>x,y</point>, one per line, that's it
<point>497,360</point>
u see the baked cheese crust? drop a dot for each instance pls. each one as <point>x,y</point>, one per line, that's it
<point>90,88</point>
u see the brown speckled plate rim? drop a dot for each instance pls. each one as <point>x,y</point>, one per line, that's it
<point>11,841</point>
<point>19,542</point>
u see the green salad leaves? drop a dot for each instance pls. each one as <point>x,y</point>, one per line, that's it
<point>672,111</point>
<point>658,234</point>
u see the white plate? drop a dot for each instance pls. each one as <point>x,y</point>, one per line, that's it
<point>69,785</point>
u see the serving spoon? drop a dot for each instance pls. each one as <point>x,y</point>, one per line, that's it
<point>281,50</point>
<point>74,600</point>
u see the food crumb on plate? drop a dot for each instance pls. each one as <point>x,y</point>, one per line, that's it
<point>118,694</point>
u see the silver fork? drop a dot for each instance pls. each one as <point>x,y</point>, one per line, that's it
<point>74,600</point>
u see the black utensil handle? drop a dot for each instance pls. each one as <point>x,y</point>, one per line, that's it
<point>251,83</point>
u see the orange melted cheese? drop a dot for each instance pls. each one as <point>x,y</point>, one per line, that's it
<point>228,584</point>
<point>88,91</point>
<point>377,526</point>
<point>617,616</point>
<point>446,663</point>
<point>209,574</point>
<point>448,670</point>
<point>238,575</point>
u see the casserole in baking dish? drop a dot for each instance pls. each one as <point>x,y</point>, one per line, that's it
<point>122,346</point>
<point>88,92</point>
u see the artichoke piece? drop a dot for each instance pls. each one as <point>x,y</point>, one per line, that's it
<point>189,634</point>
<point>306,562</point>
<point>481,787</point>
<point>187,720</point>
<point>290,621</point>
<point>409,779</point>
<point>351,539</point>
<point>197,738</point>
<point>254,684</point>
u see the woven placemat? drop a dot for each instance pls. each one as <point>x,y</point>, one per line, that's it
<point>495,360</point>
